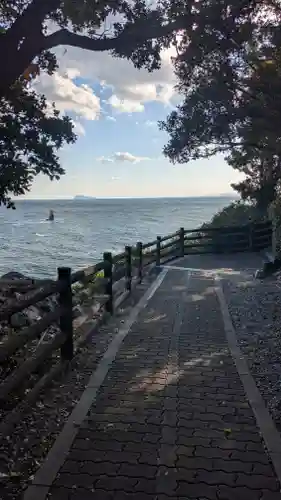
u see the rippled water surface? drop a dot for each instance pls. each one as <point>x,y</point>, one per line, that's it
<point>83,230</point>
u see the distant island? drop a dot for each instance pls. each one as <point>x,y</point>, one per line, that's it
<point>83,197</point>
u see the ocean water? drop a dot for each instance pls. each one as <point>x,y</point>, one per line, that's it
<point>84,229</point>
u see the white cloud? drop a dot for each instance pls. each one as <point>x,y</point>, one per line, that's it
<point>110,118</point>
<point>131,88</point>
<point>125,105</point>
<point>122,157</point>
<point>103,159</point>
<point>128,157</point>
<point>68,96</point>
<point>72,73</point>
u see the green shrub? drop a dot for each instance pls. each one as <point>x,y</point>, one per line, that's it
<point>236,214</point>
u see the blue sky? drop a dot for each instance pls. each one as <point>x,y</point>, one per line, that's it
<point>115,109</point>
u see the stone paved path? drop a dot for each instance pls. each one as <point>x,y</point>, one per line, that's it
<point>171,420</point>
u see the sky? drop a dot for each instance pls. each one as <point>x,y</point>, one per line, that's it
<point>115,109</point>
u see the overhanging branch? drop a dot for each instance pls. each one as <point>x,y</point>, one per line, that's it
<point>133,37</point>
<point>34,15</point>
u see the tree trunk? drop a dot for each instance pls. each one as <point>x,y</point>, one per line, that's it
<point>15,62</point>
<point>23,41</point>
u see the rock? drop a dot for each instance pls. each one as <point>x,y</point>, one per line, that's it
<point>13,275</point>
<point>19,320</point>
<point>45,307</point>
<point>77,311</point>
<point>33,314</point>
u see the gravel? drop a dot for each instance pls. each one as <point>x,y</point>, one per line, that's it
<point>22,452</point>
<point>255,308</point>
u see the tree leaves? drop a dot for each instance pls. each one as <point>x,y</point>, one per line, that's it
<point>214,70</point>
<point>229,73</point>
<point>29,140</point>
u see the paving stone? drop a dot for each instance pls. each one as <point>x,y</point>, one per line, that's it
<point>146,486</point>
<point>101,468</point>
<point>167,455</point>
<point>262,469</point>
<point>119,483</point>
<point>237,493</point>
<point>229,444</point>
<point>196,491</point>
<point>216,477</point>
<point>58,494</point>
<point>269,495</point>
<point>250,456</point>
<point>96,494</point>
<point>71,466</point>
<point>232,466</point>
<point>200,451</point>
<point>194,463</point>
<point>138,470</point>
<point>74,481</point>
<point>147,458</point>
<point>255,481</point>
<point>185,440</point>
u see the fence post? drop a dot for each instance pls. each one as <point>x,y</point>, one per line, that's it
<point>181,241</point>
<point>107,259</point>
<point>66,317</point>
<point>158,251</point>
<point>139,260</point>
<point>251,236</point>
<point>128,267</point>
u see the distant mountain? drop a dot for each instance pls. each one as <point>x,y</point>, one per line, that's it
<point>83,197</point>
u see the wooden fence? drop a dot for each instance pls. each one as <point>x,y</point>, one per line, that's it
<point>249,237</point>
<point>120,274</point>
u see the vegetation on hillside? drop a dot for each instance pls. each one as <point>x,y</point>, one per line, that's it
<point>236,213</point>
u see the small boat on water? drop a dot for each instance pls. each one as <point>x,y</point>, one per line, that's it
<point>51,215</point>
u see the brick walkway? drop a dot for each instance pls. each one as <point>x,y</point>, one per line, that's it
<point>171,420</point>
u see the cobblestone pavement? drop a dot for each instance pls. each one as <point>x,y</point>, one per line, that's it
<point>171,420</point>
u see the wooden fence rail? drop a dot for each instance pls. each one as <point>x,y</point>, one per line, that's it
<point>120,274</point>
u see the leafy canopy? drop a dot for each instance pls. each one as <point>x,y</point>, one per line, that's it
<point>258,157</point>
<point>229,74</point>
<point>227,70</point>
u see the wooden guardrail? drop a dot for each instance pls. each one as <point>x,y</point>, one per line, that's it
<point>120,274</point>
<point>249,237</point>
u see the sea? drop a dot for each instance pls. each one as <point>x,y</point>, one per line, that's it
<point>84,229</point>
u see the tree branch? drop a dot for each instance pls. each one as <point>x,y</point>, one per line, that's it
<point>34,15</point>
<point>129,38</point>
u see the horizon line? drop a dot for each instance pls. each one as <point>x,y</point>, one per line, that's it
<point>89,197</point>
